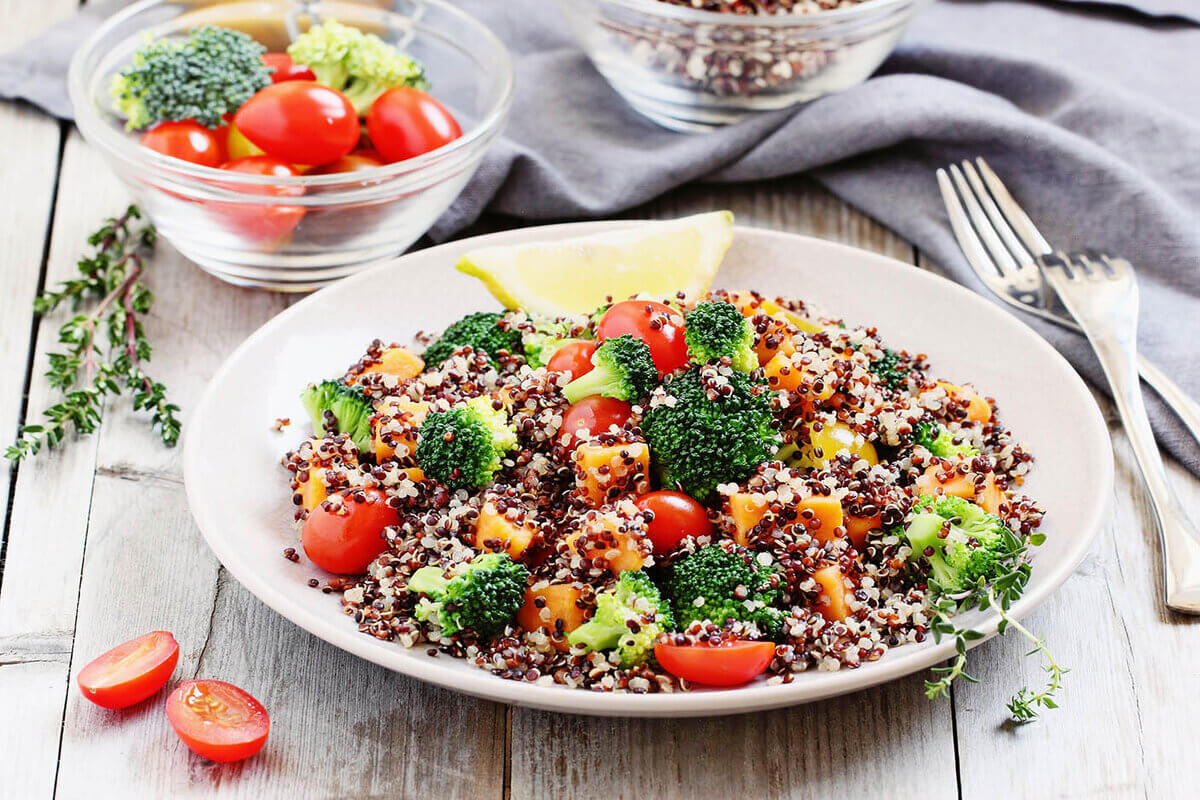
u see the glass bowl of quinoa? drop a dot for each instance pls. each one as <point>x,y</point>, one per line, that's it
<point>693,65</point>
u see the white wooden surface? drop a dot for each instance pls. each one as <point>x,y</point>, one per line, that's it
<point>98,546</point>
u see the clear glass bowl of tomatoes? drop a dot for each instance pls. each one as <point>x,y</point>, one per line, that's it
<point>266,223</point>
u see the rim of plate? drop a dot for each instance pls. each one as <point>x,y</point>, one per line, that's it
<point>809,686</point>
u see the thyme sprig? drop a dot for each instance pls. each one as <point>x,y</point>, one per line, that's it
<point>105,348</point>
<point>997,595</point>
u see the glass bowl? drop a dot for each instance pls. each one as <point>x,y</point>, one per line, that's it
<point>244,228</point>
<point>692,69</point>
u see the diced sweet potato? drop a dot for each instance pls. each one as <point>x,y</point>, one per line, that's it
<point>784,372</point>
<point>399,362</point>
<point>938,481</point>
<point>747,510</point>
<point>611,538</point>
<point>978,409</point>
<point>857,528</point>
<point>832,600</point>
<point>415,474</point>
<point>606,472</point>
<point>313,490</point>
<point>992,495</point>
<point>554,609</point>
<point>394,427</point>
<point>496,533</point>
<point>828,516</point>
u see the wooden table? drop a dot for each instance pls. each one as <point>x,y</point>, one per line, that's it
<point>98,546</point>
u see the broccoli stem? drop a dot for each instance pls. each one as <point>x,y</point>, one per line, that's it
<point>428,580</point>
<point>599,380</point>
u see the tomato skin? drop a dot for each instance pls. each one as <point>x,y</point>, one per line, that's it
<point>131,671</point>
<point>668,347</point>
<point>261,223</point>
<point>284,69</point>
<point>218,720</point>
<point>575,358</point>
<point>347,543</point>
<point>187,140</point>
<point>594,414</point>
<point>351,162</point>
<point>405,122</point>
<point>675,516</point>
<point>729,664</point>
<point>300,122</point>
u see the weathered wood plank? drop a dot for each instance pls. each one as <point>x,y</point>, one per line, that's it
<point>889,736</point>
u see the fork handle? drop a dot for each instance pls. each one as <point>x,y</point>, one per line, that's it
<point>1180,538</point>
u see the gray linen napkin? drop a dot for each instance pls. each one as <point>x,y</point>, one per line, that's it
<point>1090,110</point>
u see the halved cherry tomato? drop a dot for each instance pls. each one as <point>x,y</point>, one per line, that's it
<point>284,69</point>
<point>592,415</point>
<point>130,672</point>
<point>729,664</point>
<point>675,516</point>
<point>218,720</point>
<point>405,122</point>
<point>351,162</point>
<point>575,358</point>
<point>300,122</point>
<point>187,140</point>
<point>656,324</point>
<point>261,223</point>
<point>348,542</point>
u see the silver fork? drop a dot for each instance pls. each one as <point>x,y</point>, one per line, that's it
<point>1002,254</point>
<point>1101,293</point>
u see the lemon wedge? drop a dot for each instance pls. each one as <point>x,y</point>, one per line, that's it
<point>573,276</point>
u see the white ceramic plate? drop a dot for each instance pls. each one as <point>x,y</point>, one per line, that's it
<point>239,497</point>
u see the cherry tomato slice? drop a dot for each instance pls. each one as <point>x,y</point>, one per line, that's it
<point>284,69</point>
<point>300,122</point>
<point>592,415</point>
<point>405,122</point>
<point>130,672</point>
<point>656,324</point>
<point>261,223</point>
<point>675,516</point>
<point>187,140</point>
<point>346,543</point>
<point>218,720</point>
<point>575,358</point>
<point>352,162</point>
<point>729,664</point>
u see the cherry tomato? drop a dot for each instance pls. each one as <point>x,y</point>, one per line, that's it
<point>729,664</point>
<point>640,318</point>
<point>347,543</point>
<point>187,140</point>
<point>352,162</point>
<point>130,672</point>
<point>218,720</point>
<point>261,223</point>
<point>405,122</point>
<point>592,415</point>
<point>284,69</point>
<point>300,122</point>
<point>675,516</point>
<point>575,358</point>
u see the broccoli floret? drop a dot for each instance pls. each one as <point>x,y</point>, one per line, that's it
<point>204,77</point>
<point>633,599</point>
<point>483,597</point>
<point>976,548</point>
<point>887,369</point>
<point>462,447</point>
<point>939,441</point>
<point>709,429</point>
<point>716,329</point>
<point>481,331</point>
<point>360,65</point>
<point>621,368</point>
<point>720,586</point>
<point>349,406</point>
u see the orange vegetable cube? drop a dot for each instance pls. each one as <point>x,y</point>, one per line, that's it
<point>992,496</point>
<point>496,533</point>
<point>783,372</point>
<point>606,472</point>
<point>399,362</point>
<point>978,409</point>
<point>394,427</point>
<point>831,602</point>
<point>828,516</point>
<point>747,510</point>
<point>936,481</point>
<point>556,609</point>
<point>312,491</point>
<point>857,528</point>
<point>612,539</point>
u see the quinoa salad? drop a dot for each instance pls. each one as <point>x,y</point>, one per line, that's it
<point>665,494</point>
